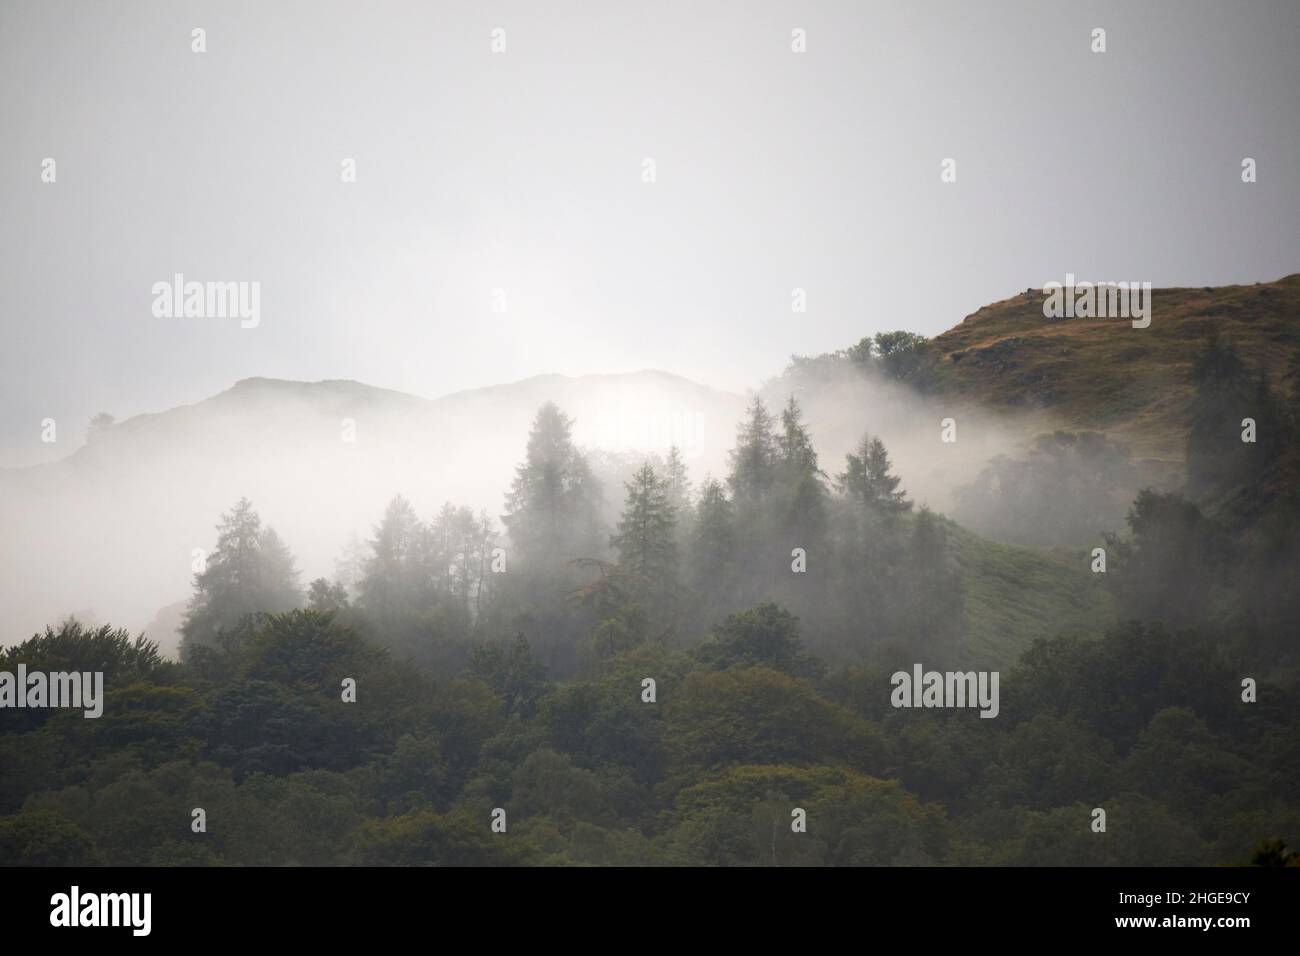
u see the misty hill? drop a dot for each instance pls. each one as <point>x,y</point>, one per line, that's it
<point>1104,375</point>
<point>112,527</point>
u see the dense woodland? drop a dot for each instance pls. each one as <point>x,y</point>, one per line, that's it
<point>500,662</point>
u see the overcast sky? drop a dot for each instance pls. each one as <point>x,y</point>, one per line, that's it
<point>523,171</point>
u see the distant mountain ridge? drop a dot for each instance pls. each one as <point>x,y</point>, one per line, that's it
<point>114,525</point>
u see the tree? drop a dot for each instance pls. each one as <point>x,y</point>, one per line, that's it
<point>867,479</point>
<point>677,483</point>
<point>794,446</point>
<point>512,672</point>
<point>1216,458</point>
<point>1172,562</point>
<point>394,574</point>
<point>250,571</point>
<point>644,540</point>
<point>754,457</point>
<point>553,507</point>
<point>100,424</point>
<point>712,542</point>
<point>460,551</point>
<point>322,595</point>
<point>932,602</point>
<point>616,599</point>
<point>768,635</point>
<point>902,354</point>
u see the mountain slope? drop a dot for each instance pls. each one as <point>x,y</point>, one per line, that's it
<point>1104,375</point>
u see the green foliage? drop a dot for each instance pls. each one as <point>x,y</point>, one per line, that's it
<point>1173,562</point>
<point>767,635</point>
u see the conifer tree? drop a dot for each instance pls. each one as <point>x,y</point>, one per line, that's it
<point>248,572</point>
<point>867,478</point>
<point>553,507</point>
<point>754,457</point>
<point>393,579</point>
<point>644,540</point>
<point>713,540</point>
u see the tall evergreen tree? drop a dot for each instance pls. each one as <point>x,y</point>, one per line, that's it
<point>713,541</point>
<point>867,479</point>
<point>803,498</point>
<point>677,481</point>
<point>553,507</point>
<point>795,450</point>
<point>250,571</point>
<point>644,540</point>
<point>753,459</point>
<point>394,577</point>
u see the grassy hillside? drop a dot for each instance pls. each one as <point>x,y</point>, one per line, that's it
<point>1104,375</point>
<point>1015,594</point>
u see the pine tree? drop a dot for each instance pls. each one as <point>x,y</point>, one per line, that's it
<point>754,458</point>
<point>644,540</point>
<point>250,571</point>
<point>713,542</point>
<point>866,478</point>
<point>803,497</point>
<point>677,481</point>
<point>393,578</point>
<point>795,450</point>
<point>553,508</point>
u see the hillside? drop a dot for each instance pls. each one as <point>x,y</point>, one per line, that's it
<point>1104,375</point>
<point>1014,595</point>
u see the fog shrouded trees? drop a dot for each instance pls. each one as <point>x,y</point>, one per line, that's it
<point>754,457</point>
<point>424,584</point>
<point>459,553</point>
<point>1217,458</point>
<point>474,693</point>
<point>646,542</point>
<point>394,576</point>
<point>778,497</point>
<point>712,560</point>
<point>866,478</point>
<point>553,521</point>
<point>1069,488</point>
<point>249,571</point>
<point>553,508</point>
<point>1172,561</point>
<point>677,484</point>
<point>324,595</point>
<point>800,482</point>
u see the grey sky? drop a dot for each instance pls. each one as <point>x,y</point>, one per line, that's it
<point>523,171</point>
